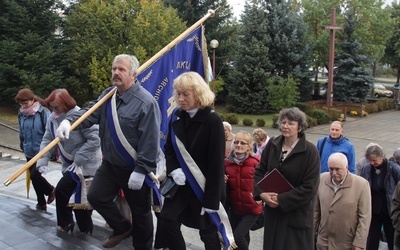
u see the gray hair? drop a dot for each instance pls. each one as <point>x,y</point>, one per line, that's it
<point>340,157</point>
<point>396,155</point>
<point>133,61</point>
<point>374,150</point>
<point>294,114</point>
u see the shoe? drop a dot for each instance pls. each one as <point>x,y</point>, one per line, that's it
<point>66,229</point>
<point>51,196</point>
<point>41,207</point>
<point>115,240</point>
<point>88,231</point>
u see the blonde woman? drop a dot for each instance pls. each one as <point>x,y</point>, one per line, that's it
<point>240,167</point>
<point>261,139</point>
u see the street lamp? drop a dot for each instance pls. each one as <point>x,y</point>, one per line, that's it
<point>213,44</point>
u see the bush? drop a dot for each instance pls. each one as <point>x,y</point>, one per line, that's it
<point>321,116</point>
<point>333,112</point>
<point>232,118</point>
<point>305,107</point>
<point>311,121</point>
<point>275,121</point>
<point>247,122</point>
<point>223,116</point>
<point>260,122</point>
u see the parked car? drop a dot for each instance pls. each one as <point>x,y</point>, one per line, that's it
<point>396,87</point>
<point>380,91</point>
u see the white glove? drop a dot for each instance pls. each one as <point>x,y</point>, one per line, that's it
<point>154,178</point>
<point>207,210</point>
<point>136,181</point>
<point>42,169</point>
<point>72,167</point>
<point>178,176</point>
<point>62,131</point>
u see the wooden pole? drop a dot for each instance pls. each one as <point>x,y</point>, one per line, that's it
<point>332,27</point>
<point>210,13</point>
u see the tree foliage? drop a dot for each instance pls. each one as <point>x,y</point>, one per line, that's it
<point>392,51</point>
<point>372,29</point>
<point>28,47</point>
<point>289,49</point>
<point>99,30</point>
<point>247,83</point>
<point>352,78</point>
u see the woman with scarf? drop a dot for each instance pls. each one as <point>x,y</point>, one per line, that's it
<point>80,156</point>
<point>260,138</point>
<point>32,118</point>
<point>382,175</point>
<point>239,169</point>
<point>194,154</point>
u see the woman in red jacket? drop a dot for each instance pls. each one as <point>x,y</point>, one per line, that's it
<point>239,167</point>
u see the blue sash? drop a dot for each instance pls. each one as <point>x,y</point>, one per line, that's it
<point>67,158</point>
<point>127,152</point>
<point>197,181</point>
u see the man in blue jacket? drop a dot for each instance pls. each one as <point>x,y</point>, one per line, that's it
<point>336,142</point>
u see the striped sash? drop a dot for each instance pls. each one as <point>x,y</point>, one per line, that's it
<point>66,157</point>
<point>126,150</point>
<point>197,181</point>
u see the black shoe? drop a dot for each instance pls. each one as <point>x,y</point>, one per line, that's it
<point>66,229</point>
<point>115,240</point>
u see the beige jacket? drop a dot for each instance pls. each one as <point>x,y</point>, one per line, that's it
<point>342,220</point>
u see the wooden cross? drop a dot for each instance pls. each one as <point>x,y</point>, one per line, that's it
<point>332,27</point>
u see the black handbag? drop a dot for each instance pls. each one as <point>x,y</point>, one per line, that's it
<point>168,188</point>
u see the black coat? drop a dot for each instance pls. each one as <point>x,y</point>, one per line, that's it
<point>204,139</point>
<point>290,226</point>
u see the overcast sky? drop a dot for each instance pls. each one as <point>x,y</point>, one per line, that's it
<point>238,6</point>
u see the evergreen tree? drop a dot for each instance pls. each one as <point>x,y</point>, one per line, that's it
<point>352,79</point>
<point>247,83</point>
<point>289,50</point>
<point>29,56</point>
<point>392,51</point>
<point>99,30</point>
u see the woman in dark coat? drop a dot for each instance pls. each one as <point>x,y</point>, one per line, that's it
<point>195,140</point>
<point>289,215</point>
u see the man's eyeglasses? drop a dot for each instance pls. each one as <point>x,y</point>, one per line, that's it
<point>240,142</point>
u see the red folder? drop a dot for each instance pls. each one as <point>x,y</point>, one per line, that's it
<point>275,182</point>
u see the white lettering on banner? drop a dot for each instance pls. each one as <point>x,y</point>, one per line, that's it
<point>183,65</point>
<point>160,88</point>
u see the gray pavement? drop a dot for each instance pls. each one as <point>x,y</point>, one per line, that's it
<point>21,226</point>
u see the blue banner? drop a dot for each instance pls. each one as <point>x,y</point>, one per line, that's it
<point>187,55</point>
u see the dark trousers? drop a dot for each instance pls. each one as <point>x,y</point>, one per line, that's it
<point>64,190</point>
<point>40,184</point>
<point>175,240</point>
<point>241,225</point>
<point>374,234</point>
<point>105,186</point>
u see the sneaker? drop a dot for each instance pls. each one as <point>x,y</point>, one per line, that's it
<point>115,240</point>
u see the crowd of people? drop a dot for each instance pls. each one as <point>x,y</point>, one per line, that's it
<point>333,202</point>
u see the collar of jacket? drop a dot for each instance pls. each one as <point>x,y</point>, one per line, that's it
<point>200,116</point>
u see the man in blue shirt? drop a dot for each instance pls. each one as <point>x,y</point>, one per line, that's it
<point>336,142</point>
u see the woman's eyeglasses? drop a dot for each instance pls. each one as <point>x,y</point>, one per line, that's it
<point>240,142</point>
<point>55,108</point>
